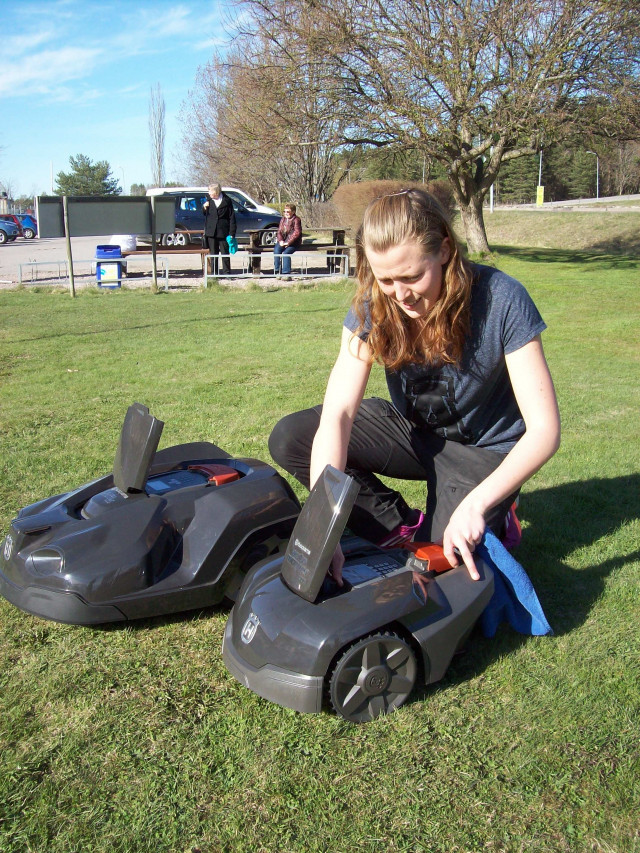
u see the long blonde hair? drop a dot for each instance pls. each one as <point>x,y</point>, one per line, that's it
<point>388,222</point>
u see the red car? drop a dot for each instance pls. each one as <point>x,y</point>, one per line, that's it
<point>29,225</point>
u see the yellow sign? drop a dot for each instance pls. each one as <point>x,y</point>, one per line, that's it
<point>109,272</point>
<point>540,196</point>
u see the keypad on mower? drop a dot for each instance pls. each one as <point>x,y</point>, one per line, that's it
<point>160,484</point>
<point>369,568</point>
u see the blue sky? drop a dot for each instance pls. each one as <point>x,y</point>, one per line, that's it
<point>76,77</point>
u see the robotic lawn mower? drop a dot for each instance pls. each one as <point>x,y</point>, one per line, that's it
<point>294,636</point>
<point>166,531</point>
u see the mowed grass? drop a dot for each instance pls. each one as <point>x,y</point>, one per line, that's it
<point>136,738</point>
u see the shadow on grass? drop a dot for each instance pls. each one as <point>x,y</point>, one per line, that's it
<point>595,259</point>
<point>563,520</point>
<point>560,521</point>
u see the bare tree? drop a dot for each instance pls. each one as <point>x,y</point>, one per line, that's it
<point>157,134</point>
<point>218,145</point>
<point>469,83</point>
<point>623,168</point>
<point>252,121</point>
<point>7,188</point>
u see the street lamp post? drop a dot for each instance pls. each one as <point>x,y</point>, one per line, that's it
<point>124,189</point>
<point>540,190</point>
<point>597,172</point>
<point>540,170</point>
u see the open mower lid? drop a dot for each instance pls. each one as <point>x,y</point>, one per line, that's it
<point>139,441</point>
<point>317,532</point>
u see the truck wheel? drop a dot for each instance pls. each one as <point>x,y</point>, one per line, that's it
<point>178,239</point>
<point>269,237</point>
<point>373,676</point>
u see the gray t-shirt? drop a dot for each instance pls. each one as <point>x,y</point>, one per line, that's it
<point>473,402</point>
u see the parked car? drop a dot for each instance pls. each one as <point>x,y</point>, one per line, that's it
<point>29,225</point>
<point>11,217</point>
<point>8,230</point>
<point>250,215</point>
<point>238,195</point>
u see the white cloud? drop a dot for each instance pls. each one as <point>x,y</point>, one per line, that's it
<point>14,48</point>
<point>48,70</point>
<point>146,31</point>
<point>39,59</point>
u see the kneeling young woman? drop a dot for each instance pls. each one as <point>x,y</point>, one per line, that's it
<point>473,411</point>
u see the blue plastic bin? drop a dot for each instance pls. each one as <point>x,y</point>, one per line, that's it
<point>108,270</point>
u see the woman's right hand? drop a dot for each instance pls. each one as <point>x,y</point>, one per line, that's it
<point>344,394</point>
<point>335,569</point>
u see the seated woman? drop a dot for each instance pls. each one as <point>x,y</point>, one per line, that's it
<point>473,411</point>
<point>288,240</point>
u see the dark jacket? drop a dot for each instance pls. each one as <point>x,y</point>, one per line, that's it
<point>219,221</point>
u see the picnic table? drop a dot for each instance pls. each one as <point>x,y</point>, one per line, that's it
<point>336,251</point>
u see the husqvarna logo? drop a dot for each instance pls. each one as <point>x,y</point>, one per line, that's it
<point>249,628</point>
<point>302,547</point>
<point>8,547</point>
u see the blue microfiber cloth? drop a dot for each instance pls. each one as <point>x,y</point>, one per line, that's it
<point>233,244</point>
<point>514,599</point>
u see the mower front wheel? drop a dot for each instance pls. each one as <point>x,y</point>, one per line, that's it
<point>373,676</point>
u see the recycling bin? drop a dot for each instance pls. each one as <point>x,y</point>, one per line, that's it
<point>108,268</point>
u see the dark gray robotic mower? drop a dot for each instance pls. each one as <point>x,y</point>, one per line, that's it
<point>167,531</point>
<point>294,636</point>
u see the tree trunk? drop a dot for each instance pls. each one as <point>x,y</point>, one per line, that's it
<point>473,223</point>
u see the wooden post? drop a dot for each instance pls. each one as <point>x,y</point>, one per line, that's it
<point>205,265</point>
<point>65,213</point>
<point>334,256</point>
<point>154,264</point>
<point>255,250</point>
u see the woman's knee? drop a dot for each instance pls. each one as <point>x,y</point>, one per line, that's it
<point>291,438</point>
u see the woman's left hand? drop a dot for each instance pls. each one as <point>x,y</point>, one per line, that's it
<point>536,399</point>
<point>465,530</point>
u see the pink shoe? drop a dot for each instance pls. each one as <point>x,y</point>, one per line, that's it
<point>511,531</point>
<point>403,533</point>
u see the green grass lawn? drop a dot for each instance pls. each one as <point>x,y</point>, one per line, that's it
<point>137,739</point>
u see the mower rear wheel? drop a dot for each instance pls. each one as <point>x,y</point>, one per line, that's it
<point>373,676</point>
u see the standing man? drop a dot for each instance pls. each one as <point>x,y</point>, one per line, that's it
<point>219,223</point>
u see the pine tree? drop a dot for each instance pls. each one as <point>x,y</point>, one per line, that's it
<point>582,177</point>
<point>87,178</point>
<point>518,180</point>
